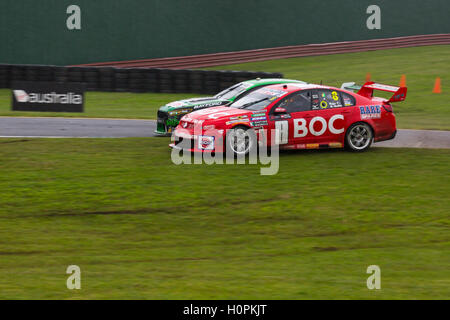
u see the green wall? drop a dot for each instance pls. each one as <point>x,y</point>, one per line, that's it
<point>34,31</point>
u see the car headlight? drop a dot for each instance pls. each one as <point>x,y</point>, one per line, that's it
<point>179,112</point>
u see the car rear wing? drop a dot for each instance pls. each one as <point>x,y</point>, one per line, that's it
<point>350,86</point>
<point>368,88</point>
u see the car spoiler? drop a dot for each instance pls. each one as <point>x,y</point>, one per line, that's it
<point>368,88</point>
<point>350,86</point>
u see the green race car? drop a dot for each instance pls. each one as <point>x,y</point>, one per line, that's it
<point>169,115</point>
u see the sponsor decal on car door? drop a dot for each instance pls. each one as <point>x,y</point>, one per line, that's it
<point>328,120</point>
<point>323,121</point>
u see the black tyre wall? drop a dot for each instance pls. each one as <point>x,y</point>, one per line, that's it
<point>131,79</point>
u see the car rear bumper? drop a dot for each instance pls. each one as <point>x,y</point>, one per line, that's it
<point>387,137</point>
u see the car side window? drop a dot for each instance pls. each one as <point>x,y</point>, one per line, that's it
<point>297,102</point>
<point>348,99</point>
<point>326,99</point>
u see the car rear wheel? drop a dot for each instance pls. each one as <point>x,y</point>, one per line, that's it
<point>241,140</point>
<point>359,137</point>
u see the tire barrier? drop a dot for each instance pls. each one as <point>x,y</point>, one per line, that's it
<point>111,79</point>
<point>215,59</point>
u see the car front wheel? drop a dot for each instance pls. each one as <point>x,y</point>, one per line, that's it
<point>359,137</point>
<point>241,140</point>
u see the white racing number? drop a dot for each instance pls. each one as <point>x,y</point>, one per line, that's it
<point>301,129</point>
<point>282,130</point>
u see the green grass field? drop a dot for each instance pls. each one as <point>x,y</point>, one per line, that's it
<point>105,105</point>
<point>141,227</point>
<point>421,110</point>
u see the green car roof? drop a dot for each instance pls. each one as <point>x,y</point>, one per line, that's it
<point>262,82</point>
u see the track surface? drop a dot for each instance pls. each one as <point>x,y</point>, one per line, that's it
<point>79,128</point>
<point>121,128</point>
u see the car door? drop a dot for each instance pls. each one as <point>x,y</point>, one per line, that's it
<point>297,108</point>
<point>328,117</point>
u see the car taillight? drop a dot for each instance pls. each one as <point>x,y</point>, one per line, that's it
<point>387,107</point>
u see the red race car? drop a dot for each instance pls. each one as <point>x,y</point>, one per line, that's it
<point>294,116</point>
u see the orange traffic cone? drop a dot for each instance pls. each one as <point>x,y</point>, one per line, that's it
<point>403,81</point>
<point>368,77</point>
<point>437,86</point>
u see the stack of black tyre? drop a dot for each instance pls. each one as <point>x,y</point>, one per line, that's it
<point>4,76</point>
<point>153,83</point>
<point>137,80</point>
<point>227,79</point>
<point>75,75</point>
<point>166,80</point>
<point>130,79</point>
<point>196,81</point>
<point>181,81</point>
<point>106,79</point>
<point>121,79</point>
<point>91,78</point>
<point>212,82</point>
<point>17,73</point>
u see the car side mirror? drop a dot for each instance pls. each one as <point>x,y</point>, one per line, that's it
<point>280,110</point>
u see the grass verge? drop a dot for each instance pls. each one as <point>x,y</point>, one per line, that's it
<point>105,105</point>
<point>142,228</point>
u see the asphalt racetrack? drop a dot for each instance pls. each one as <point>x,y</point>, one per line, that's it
<point>32,127</point>
<point>75,128</point>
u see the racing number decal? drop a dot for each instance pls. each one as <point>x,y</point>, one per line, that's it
<point>301,130</point>
<point>281,132</point>
<point>335,96</point>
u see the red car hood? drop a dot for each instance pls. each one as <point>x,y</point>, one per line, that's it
<point>215,113</point>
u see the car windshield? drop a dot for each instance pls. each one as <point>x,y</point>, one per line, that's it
<point>258,99</point>
<point>232,91</point>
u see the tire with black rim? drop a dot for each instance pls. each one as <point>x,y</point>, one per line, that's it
<point>241,140</point>
<point>359,137</point>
